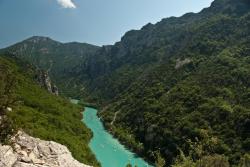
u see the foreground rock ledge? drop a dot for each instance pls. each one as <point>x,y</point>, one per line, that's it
<point>28,151</point>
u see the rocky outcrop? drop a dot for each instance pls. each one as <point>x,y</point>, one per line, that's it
<point>7,156</point>
<point>44,81</point>
<point>180,63</point>
<point>55,90</point>
<point>27,151</point>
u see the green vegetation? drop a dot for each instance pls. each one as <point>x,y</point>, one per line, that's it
<point>129,165</point>
<point>41,114</point>
<point>193,89</point>
<point>56,58</point>
<point>180,86</point>
<point>209,161</point>
<point>8,100</point>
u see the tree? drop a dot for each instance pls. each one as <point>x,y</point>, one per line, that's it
<point>214,160</point>
<point>160,161</point>
<point>206,161</point>
<point>183,161</point>
<point>8,83</point>
<point>245,161</point>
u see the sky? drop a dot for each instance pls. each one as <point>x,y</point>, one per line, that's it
<point>98,22</point>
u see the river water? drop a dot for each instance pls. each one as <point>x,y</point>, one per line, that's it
<point>108,151</point>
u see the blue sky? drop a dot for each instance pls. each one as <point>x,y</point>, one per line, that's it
<point>98,22</point>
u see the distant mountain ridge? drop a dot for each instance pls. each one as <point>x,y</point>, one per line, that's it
<point>176,86</point>
<point>25,105</point>
<point>52,56</point>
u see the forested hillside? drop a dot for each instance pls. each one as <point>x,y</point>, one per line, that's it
<point>181,85</point>
<point>177,87</point>
<point>188,88</point>
<point>26,105</point>
<point>54,57</point>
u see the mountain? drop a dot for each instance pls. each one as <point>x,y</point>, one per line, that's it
<point>26,105</point>
<point>54,57</point>
<point>115,67</point>
<point>179,87</point>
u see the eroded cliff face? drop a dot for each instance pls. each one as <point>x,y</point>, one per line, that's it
<point>27,151</point>
<point>45,81</point>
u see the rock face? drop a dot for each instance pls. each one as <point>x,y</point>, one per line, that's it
<point>44,81</point>
<point>180,63</point>
<point>33,152</point>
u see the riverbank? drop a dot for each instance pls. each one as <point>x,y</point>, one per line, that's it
<point>108,150</point>
<point>110,133</point>
<point>135,147</point>
<point>123,135</point>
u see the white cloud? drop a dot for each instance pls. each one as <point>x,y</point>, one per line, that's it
<point>66,3</point>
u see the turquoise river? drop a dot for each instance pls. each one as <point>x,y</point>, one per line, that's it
<point>108,151</point>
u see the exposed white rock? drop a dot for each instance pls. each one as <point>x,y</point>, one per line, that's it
<point>7,156</point>
<point>9,109</point>
<point>33,152</point>
<point>180,63</point>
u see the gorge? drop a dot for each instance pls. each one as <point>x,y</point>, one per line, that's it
<point>109,152</point>
<point>175,92</point>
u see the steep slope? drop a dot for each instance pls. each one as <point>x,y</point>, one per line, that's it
<point>54,57</point>
<point>39,113</point>
<point>205,33</point>
<point>179,85</point>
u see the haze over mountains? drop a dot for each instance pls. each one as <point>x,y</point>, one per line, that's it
<point>175,87</point>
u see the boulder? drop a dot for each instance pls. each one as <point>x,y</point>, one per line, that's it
<point>7,156</point>
<point>33,152</point>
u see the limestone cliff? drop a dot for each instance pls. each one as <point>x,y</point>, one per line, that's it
<point>45,81</point>
<point>27,151</point>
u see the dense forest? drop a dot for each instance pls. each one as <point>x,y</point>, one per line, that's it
<point>190,95</point>
<point>39,113</point>
<point>56,58</point>
<point>179,90</point>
